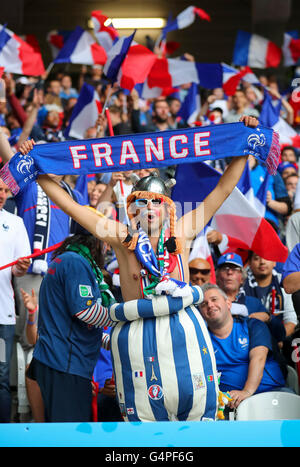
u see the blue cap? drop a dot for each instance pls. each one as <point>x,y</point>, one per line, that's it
<point>230,258</point>
<point>285,165</point>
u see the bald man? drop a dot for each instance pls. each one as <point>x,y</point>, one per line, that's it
<point>200,271</point>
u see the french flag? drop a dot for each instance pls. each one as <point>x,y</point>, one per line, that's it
<point>56,40</point>
<point>258,200</point>
<point>290,50</point>
<point>185,19</point>
<point>18,56</point>
<point>233,77</point>
<point>236,218</point>
<point>115,57</point>
<point>170,72</point>
<point>270,117</point>
<point>255,51</point>
<point>106,35</point>
<point>81,48</point>
<point>191,105</point>
<point>128,63</point>
<point>85,112</point>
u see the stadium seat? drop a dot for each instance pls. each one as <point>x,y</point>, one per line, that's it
<point>292,379</point>
<point>273,405</point>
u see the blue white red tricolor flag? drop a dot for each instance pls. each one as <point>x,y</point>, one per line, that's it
<point>128,63</point>
<point>236,218</point>
<point>233,77</point>
<point>106,35</point>
<point>290,50</point>
<point>185,19</point>
<point>171,73</point>
<point>81,48</point>
<point>191,105</point>
<point>18,56</point>
<point>116,57</point>
<point>255,51</point>
<point>270,117</point>
<point>85,112</point>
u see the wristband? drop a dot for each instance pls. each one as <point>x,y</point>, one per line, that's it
<point>31,312</point>
<point>32,322</point>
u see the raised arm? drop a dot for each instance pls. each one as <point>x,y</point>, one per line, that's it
<point>191,224</point>
<point>6,151</point>
<point>101,227</point>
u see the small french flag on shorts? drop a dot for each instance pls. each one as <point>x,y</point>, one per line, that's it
<point>138,374</point>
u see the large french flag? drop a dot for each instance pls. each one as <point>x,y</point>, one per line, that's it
<point>85,112</point>
<point>255,51</point>
<point>56,40</point>
<point>81,48</point>
<point>232,78</point>
<point>236,218</point>
<point>170,72</point>
<point>270,117</point>
<point>106,35</point>
<point>290,50</point>
<point>18,56</point>
<point>185,19</point>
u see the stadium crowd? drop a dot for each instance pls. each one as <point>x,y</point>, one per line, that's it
<point>247,291</point>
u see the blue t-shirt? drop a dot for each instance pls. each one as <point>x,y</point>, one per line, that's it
<point>65,343</point>
<point>292,264</point>
<point>232,356</point>
<point>253,304</point>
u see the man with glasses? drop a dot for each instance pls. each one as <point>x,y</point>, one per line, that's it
<point>200,271</point>
<point>229,276</point>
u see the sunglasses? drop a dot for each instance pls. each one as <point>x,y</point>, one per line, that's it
<point>205,272</point>
<point>142,202</point>
<point>231,268</point>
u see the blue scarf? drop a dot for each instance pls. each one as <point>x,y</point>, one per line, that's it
<point>143,150</point>
<point>155,268</point>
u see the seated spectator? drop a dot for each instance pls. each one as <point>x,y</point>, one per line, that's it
<point>243,349</point>
<point>229,276</point>
<point>200,271</point>
<point>263,282</point>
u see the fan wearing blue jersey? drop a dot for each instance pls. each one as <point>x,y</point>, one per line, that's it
<point>164,367</point>
<point>243,349</point>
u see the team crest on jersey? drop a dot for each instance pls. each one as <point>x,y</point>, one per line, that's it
<point>243,342</point>
<point>85,291</point>
<point>155,392</point>
<point>198,381</point>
